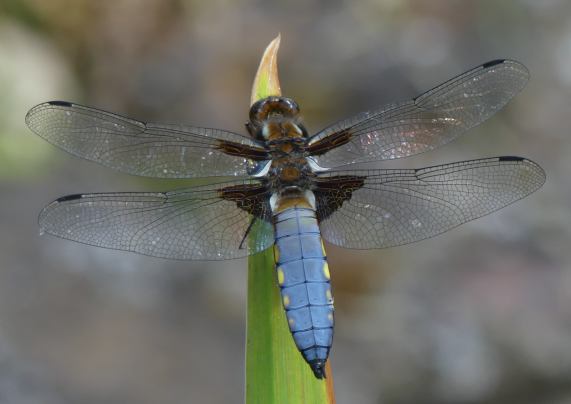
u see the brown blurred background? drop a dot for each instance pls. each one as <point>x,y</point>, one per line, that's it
<point>479,315</point>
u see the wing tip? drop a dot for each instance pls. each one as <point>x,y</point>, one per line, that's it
<point>45,211</point>
<point>29,116</point>
<point>541,176</point>
<point>497,62</point>
<point>511,63</point>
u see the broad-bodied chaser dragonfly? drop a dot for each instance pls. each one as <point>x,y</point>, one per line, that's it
<point>292,187</point>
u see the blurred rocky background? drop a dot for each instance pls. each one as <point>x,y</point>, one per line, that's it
<point>481,314</point>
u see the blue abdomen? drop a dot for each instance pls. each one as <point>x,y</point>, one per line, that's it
<point>303,276</point>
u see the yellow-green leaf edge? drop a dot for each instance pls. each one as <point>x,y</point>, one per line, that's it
<point>275,370</point>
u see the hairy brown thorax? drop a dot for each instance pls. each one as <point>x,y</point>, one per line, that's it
<point>277,122</point>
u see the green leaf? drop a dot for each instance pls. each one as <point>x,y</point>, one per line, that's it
<point>276,373</point>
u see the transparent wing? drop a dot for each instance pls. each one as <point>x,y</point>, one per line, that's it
<point>384,208</point>
<point>202,223</point>
<point>424,123</point>
<point>139,148</point>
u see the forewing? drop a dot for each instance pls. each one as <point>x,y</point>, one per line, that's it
<point>139,148</point>
<point>383,208</point>
<point>424,123</point>
<point>200,223</point>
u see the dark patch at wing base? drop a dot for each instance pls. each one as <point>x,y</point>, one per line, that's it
<point>252,198</point>
<point>241,150</point>
<point>331,142</point>
<point>331,193</point>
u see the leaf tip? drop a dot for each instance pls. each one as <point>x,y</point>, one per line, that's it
<point>266,82</point>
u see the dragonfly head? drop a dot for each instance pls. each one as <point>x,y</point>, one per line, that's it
<point>271,113</point>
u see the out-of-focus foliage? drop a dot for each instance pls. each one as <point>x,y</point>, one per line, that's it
<point>479,315</point>
<point>26,62</point>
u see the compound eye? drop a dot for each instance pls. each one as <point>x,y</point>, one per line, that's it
<point>291,105</point>
<point>259,112</point>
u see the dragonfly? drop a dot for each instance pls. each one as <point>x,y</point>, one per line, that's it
<point>280,187</point>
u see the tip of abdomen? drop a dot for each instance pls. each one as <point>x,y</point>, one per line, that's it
<point>318,367</point>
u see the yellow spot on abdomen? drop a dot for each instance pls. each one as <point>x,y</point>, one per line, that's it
<point>328,295</point>
<point>291,322</point>
<point>326,270</point>
<point>323,248</point>
<point>281,276</point>
<point>286,300</point>
<point>330,317</point>
<point>276,253</point>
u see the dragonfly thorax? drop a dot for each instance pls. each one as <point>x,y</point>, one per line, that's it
<point>289,171</point>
